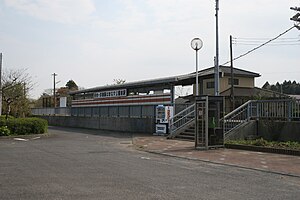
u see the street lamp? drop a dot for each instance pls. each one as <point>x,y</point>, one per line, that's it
<point>196,44</point>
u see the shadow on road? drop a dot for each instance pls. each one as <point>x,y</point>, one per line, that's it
<point>107,133</point>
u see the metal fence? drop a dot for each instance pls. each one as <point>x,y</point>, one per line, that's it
<point>143,111</point>
<point>276,109</point>
<point>285,109</point>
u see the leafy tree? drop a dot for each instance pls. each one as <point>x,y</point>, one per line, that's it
<point>266,85</point>
<point>46,99</point>
<point>287,87</point>
<point>71,85</point>
<point>15,86</point>
<point>119,81</point>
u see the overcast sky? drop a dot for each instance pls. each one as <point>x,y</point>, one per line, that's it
<point>96,41</point>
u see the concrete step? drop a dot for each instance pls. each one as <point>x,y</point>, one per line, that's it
<point>188,133</point>
<point>185,137</point>
<point>190,136</point>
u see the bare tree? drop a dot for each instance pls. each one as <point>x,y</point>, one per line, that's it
<point>119,81</point>
<point>15,87</point>
<point>182,91</point>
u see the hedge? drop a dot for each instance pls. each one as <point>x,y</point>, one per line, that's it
<point>264,143</point>
<point>24,126</point>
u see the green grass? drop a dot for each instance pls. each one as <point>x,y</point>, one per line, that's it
<point>264,143</point>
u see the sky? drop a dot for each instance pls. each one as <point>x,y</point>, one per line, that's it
<point>94,42</point>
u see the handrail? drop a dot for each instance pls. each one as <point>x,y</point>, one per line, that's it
<point>181,119</point>
<point>240,107</point>
<point>183,110</point>
<point>287,109</point>
<point>237,117</point>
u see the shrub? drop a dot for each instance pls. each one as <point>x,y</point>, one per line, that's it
<point>260,142</point>
<point>4,131</point>
<point>264,143</point>
<point>25,126</point>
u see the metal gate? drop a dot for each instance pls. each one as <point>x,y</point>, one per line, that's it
<point>209,128</point>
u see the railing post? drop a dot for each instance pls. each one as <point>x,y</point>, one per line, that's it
<point>196,124</point>
<point>289,110</point>
<point>206,123</point>
<point>257,110</point>
<point>248,111</point>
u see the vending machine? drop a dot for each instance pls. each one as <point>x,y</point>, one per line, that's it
<point>163,116</point>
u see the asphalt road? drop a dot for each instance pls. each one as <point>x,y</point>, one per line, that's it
<point>85,164</point>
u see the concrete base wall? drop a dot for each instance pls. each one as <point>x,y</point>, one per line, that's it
<point>269,130</point>
<point>279,131</point>
<point>138,125</point>
<point>247,130</point>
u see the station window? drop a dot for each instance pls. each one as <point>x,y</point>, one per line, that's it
<point>210,84</point>
<point>235,81</point>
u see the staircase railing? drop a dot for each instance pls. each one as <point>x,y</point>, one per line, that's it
<point>283,109</point>
<point>181,119</point>
<point>237,117</point>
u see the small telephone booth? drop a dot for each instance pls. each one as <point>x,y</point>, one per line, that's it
<point>209,129</point>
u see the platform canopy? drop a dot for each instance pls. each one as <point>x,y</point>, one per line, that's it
<point>168,82</point>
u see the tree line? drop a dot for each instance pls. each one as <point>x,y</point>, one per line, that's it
<point>287,87</point>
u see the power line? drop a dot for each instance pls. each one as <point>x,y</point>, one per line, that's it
<point>252,44</point>
<point>260,39</point>
<point>257,41</point>
<point>274,43</point>
<point>237,41</point>
<point>263,44</point>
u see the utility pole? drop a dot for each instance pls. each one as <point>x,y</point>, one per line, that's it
<point>0,84</point>
<point>54,93</point>
<point>217,84</point>
<point>296,17</point>
<point>232,77</point>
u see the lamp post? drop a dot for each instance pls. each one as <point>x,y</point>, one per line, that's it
<point>196,44</point>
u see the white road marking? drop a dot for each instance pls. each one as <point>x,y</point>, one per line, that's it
<point>20,139</point>
<point>145,158</point>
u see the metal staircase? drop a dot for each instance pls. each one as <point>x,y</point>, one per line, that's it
<point>188,133</point>
<point>182,125</point>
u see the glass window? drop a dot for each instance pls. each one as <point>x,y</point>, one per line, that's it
<point>235,81</point>
<point>210,84</point>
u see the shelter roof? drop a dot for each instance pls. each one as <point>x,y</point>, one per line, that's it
<point>163,83</point>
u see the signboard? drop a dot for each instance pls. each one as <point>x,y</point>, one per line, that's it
<point>63,102</point>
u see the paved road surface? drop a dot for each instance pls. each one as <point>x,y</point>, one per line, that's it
<point>86,164</point>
